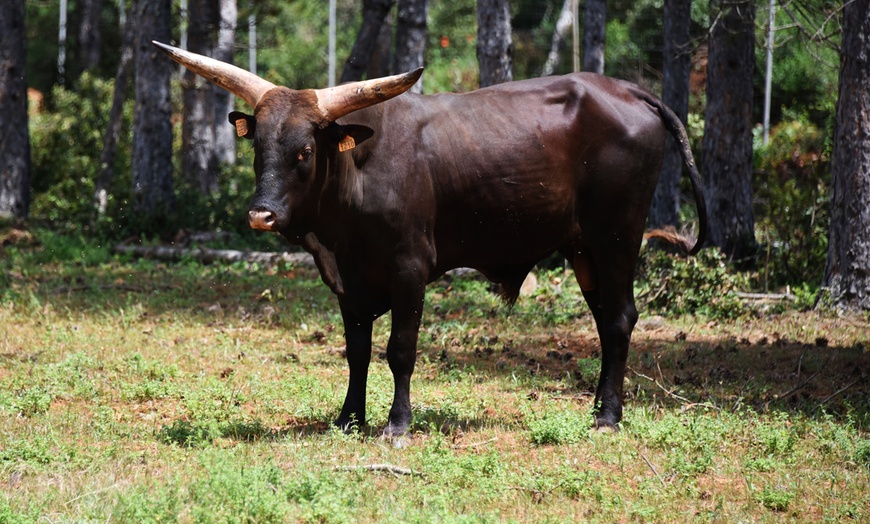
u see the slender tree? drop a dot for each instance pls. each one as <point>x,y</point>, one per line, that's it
<point>207,139</point>
<point>410,38</point>
<point>494,44</point>
<point>225,134</point>
<point>116,116</point>
<point>374,14</point>
<point>665,208</point>
<point>847,273</point>
<point>90,33</point>
<point>14,138</point>
<point>594,30</point>
<point>560,35</point>
<point>727,143</point>
<point>381,60</point>
<point>152,132</point>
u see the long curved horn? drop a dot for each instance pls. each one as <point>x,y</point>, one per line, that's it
<point>335,102</point>
<point>244,84</point>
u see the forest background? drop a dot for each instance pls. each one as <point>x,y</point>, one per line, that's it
<point>70,110</point>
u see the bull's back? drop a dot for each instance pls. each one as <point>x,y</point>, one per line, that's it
<point>511,169</point>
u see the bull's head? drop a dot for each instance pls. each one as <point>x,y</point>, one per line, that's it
<point>284,127</point>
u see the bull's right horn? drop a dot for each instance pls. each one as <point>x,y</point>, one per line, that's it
<point>244,84</point>
<point>335,102</point>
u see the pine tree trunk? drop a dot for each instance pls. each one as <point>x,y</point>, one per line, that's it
<point>113,128</point>
<point>90,32</point>
<point>381,60</point>
<point>374,14</point>
<point>848,268</point>
<point>224,133</point>
<point>14,138</point>
<point>594,31</point>
<point>727,144</point>
<point>494,44</point>
<point>410,38</point>
<point>665,208</point>
<point>199,163</point>
<point>153,194</point>
<point>560,35</point>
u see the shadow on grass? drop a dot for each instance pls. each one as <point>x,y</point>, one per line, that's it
<point>726,372</point>
<point>185,433</point>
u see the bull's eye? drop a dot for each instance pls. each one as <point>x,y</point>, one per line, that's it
<point>305,153</point>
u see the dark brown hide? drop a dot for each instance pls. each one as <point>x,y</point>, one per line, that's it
<point>496,180</point>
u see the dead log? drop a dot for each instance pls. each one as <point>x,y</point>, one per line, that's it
<point>204,254</point>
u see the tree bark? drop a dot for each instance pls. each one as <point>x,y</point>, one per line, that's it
<point>90,33</point>
<point>198,128</point>
<point>665,208</point>
<point>727,144</point>
<point>113,127</point>
<point>594,32</point>
<point>381,60</point>
<point>374,14</point>
<point>224,133</point>
<point>153,196</point>
<point>410,38</point>
<point>560,34</point>
<point>847,273</point>
<point>494,44</point>
<point>14,137</point>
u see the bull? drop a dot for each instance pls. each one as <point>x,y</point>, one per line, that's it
<point>389,192</point>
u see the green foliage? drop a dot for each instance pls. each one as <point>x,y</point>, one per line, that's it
<point>66,144</point>
<point>792,203</point>
<point>703,284</point>
<point>775,499</point>
<point>561,427</point>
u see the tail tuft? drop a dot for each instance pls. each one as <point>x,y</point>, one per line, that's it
<point>670,235</point>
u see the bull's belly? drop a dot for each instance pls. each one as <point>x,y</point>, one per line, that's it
<point>501,240</point>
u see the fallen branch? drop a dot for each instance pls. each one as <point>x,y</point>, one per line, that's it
<point>656,473</point>
<point>767,297</point>
<point>204,254</point>
<point>120,287</point>
<point>388,468</point>
<point>687,404</point>
<point>475,444</point>
<point>834,394</point>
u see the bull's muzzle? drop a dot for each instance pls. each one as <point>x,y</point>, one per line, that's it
<point>261,219</point>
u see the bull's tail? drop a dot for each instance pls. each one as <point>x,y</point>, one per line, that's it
<point>678,132</point>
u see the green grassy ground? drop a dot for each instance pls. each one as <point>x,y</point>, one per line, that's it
<point>137,391</point>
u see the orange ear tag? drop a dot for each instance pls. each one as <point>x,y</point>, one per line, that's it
<point>346,143</point>
<point>241,127</point>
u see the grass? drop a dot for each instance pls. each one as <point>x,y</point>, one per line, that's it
<point>136,391</point>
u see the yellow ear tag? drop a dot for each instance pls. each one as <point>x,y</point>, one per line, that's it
<point>346,143</point>
<point>241,127</point>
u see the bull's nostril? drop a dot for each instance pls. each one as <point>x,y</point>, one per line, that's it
<point>264,220</point>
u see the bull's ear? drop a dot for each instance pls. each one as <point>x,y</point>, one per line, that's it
<point>245,124</point>
<point>349,136</point>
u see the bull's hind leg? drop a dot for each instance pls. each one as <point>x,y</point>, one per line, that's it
<point>407,294</point>
<point>606,282</point>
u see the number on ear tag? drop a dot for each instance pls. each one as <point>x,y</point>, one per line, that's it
<point>241,127</point>
<point>346,143</point>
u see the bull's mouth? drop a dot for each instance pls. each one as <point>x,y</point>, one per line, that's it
<point>262,220</point>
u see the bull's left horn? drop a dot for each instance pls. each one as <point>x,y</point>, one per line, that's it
<point>244,84</point>
<point>335,102</point>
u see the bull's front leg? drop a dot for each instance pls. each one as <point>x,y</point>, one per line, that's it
<point>358,339</point>
<point>407,295</point>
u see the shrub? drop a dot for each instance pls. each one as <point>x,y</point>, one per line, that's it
<point>703,284</point>
<point>792,200</point>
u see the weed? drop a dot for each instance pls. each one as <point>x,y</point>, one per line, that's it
<point>776,499</point>
<point>561,427</point>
